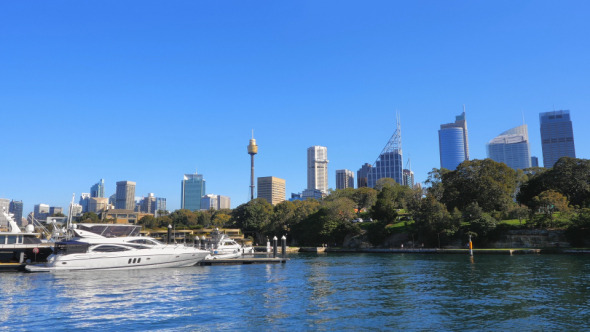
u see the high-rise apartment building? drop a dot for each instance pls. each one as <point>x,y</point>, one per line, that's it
<point>389,164</point>
<point>215,202</point>
<point>125,195</point>
<point>272,189</point>
<point>512,148</point>
<point>16,208</point>
<point>4,207</point>
<point>97,190</point>
<point>317,168</point>
<point>148,204</point>
<point>160,204</point>
<point>76,209</point>
<point>453,143</point>
<point>557,136</point>
<point>344,179</point>
<point>98,204</point>
<point>534,161</point>
<point>408,178</point>
<point>84,200</point>
<point>192,189</point>
<point>362,175</point>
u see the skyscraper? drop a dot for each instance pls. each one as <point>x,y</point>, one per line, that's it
<point>512,148</point>
<point>215,202</point>
<point>125,195</point>
<point>148,204</point>
<point>16,208</point>
<point>84,201</point>
<point>389,164</point>
<point>271,189</point>
<point>453,143</point>
<point>4,207</point>
<point>362,175</point>
<point>344,179</point>
<point>97,190</point>
<point>408,178</point>
<point>534,161</point>
<point>317,168</point>
<point>557,136</point>
<point>192,189</point>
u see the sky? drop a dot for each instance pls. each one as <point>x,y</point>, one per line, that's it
<point>147,91</point>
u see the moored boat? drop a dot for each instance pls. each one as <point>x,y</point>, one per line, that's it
<point>17,246</point>
<point>115,247</point>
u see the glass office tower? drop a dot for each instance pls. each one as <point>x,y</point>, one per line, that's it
<point>453,143</point>
<point>557,136</point>
<point>192,190</point>
<point>512,148</point>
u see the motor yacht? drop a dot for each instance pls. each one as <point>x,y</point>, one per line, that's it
<point>226,248</point>
<point>115,247</point>
<point>17,246</point>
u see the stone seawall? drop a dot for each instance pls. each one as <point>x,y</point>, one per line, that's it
<point>532,239</point>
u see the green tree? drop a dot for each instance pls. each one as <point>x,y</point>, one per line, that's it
<point>548,202</point>
<point>434,182</point>
<point>489,183</point>
<point>253,217</point>
<point>569,176</point>
<point>432,219</point>
<point>148,221</point>
<point>89,217</point>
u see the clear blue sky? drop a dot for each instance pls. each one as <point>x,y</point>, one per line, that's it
<point>149,90</point>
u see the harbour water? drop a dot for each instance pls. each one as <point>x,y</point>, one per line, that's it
<point>311,292</point>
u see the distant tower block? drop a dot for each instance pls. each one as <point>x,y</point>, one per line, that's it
<point>252,150</point>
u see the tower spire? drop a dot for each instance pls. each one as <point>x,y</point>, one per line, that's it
<point>252,150</point>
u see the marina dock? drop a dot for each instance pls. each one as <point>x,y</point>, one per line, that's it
<point>243,261</point>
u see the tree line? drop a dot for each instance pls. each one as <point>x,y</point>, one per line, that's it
<point>479,198</point>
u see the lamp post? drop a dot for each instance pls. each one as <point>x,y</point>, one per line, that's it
<point>169,231</point>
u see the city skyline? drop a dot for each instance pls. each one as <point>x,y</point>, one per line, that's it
<point>185,83</point>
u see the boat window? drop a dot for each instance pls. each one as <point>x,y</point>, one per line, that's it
<point>139,260</point>
<point>2,239</point>
<point>109,248</point>
<point>12,239</point>
<point>66,248</point>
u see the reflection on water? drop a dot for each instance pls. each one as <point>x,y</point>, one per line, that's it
<point>311,292</point>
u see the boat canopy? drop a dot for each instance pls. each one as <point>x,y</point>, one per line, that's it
<point>111,230</point>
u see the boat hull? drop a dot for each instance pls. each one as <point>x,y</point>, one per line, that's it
<point>140,259</point>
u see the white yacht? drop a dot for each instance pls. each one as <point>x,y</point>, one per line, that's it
<point>226,248</point>
<point>115,247</point>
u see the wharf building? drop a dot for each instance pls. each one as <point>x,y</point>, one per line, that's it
<point>557,136</point>
<point>192,189</point>
<point>215,202</point>
<point>97,190</point>
<point>317,168</point>
<point>453,142</point>
<point>125,195</point>
<point>344,179</point>
<point>272,189</point>
<point>511,148</point>
<point>389,164</point>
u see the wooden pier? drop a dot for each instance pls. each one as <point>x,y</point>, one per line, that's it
<point>243,261</point>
